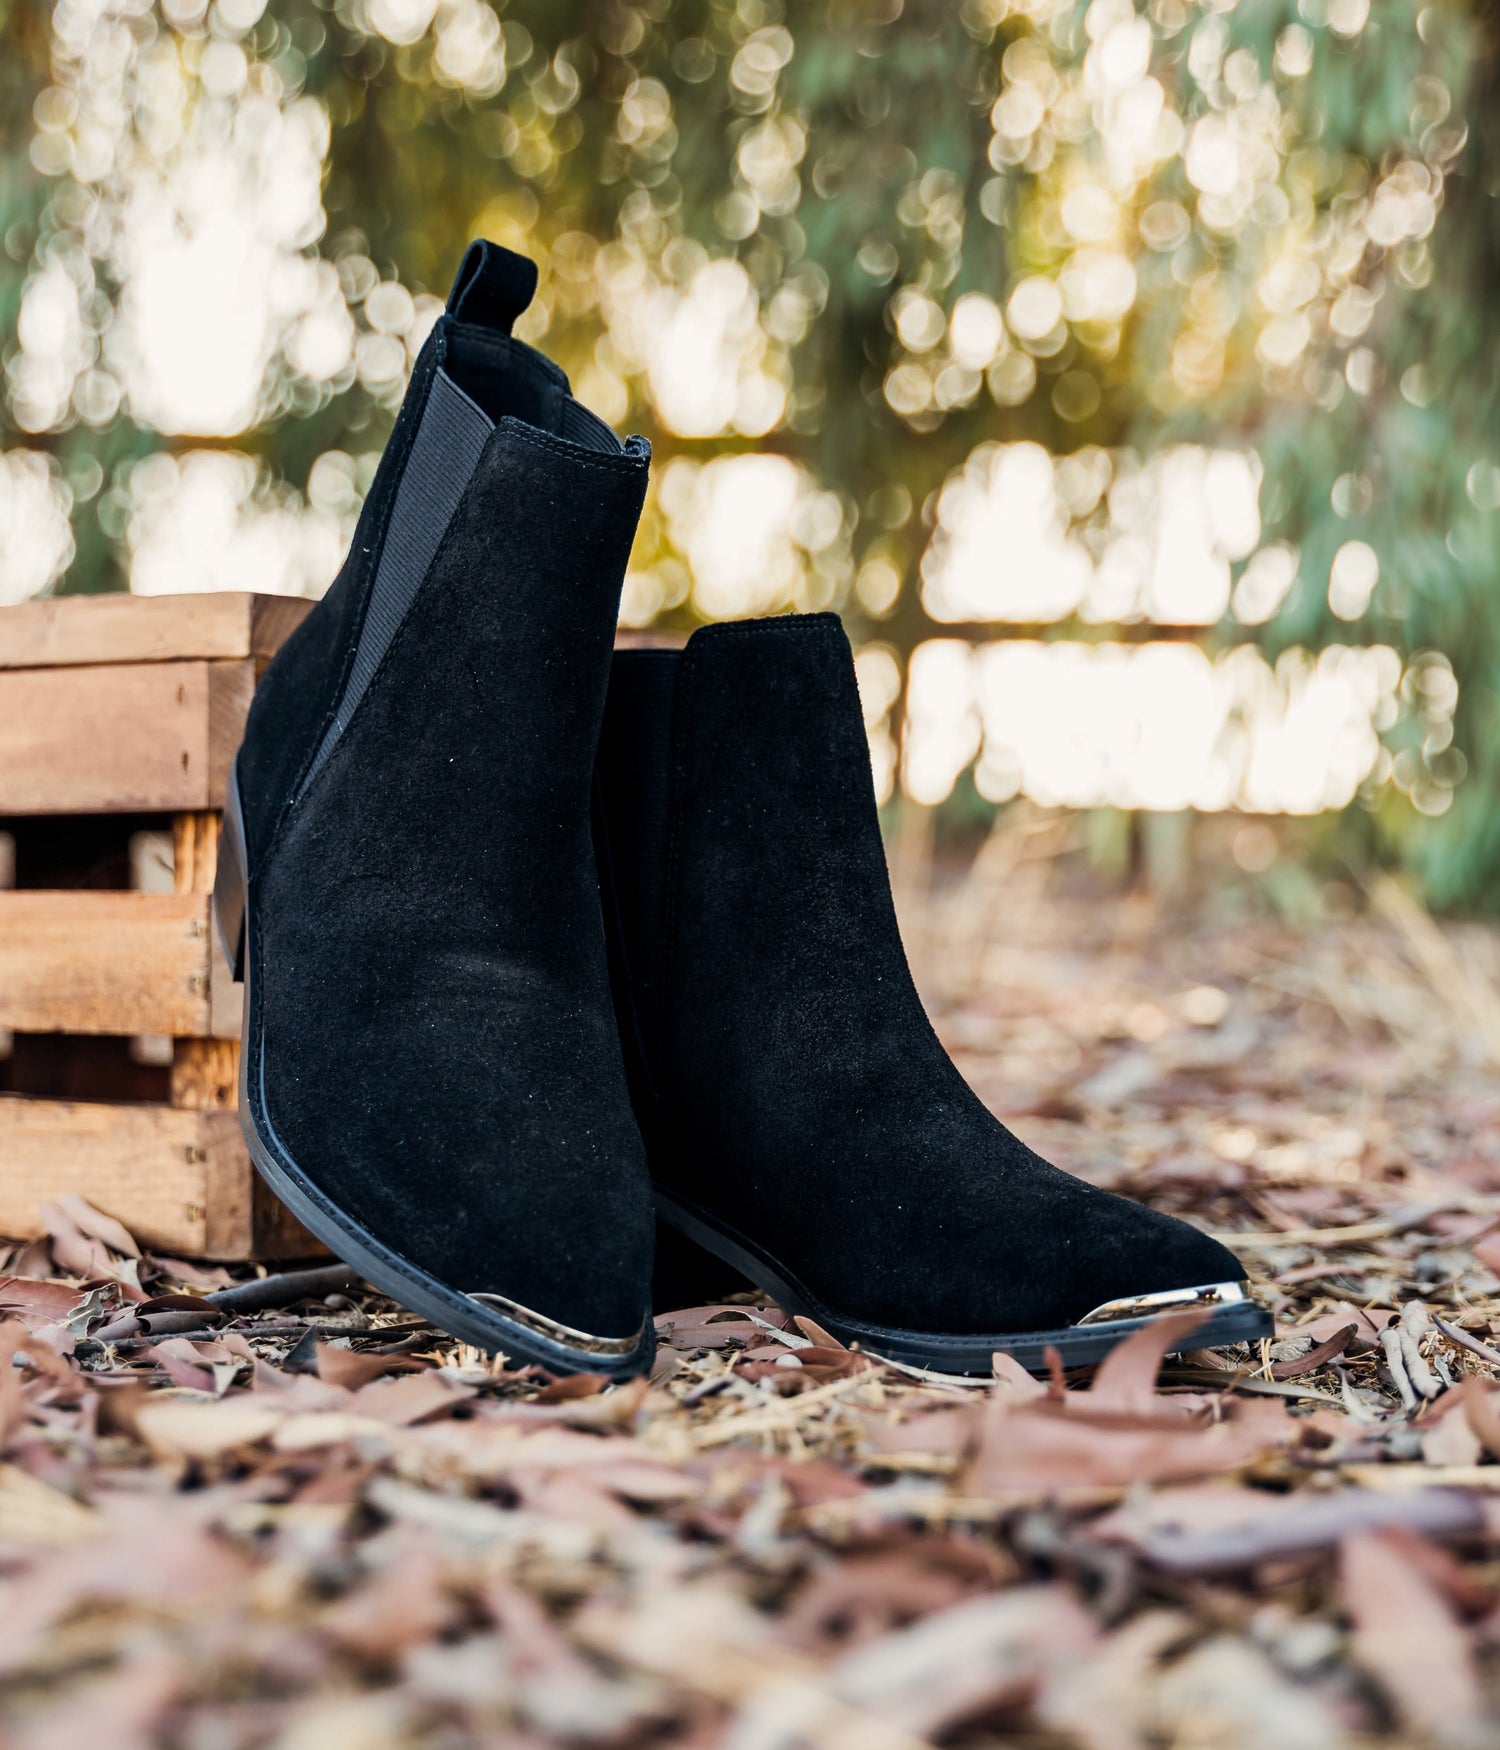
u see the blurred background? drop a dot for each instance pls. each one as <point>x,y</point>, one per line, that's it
<point>1124,374</point>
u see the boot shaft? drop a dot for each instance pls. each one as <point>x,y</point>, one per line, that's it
<point>432,1072</point>
<point>745,873</point>
<point>485,418</point>
<point>801,1117</point>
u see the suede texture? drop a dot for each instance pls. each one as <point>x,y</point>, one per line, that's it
<point>299,693</point>
<point>787,1079</point>
<point>440,1053</point>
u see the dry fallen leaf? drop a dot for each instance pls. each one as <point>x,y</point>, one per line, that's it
<point>260,1531</point>
<point>1411,1643</point>
<point>33,1512</point>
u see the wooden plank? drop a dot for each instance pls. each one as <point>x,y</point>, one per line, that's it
<point>121,739</point>
<point>158,1171</point>
<point>181,1181</point>
<point>66,631</point>
<point>104,963</point>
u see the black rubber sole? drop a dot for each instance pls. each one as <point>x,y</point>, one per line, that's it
<point>415,1288</point>
<point>936,1352</point>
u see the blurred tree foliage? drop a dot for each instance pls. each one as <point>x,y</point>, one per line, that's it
<point>1098,225</point>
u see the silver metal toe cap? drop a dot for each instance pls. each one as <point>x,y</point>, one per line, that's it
<point>1207,1298</point>
<point>541,1326</point>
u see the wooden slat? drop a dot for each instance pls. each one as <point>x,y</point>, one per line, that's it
<point>120,739</point>
<point>195,862</point>
<point>181,1181</point>
<point>178,1180</point>
<point>195,852</point>
<point>63,631</point>
<point>123,963</point>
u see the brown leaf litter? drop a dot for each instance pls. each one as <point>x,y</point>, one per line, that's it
<point>242,1511</point>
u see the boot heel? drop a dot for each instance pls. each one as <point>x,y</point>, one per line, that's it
<point>231,884</point>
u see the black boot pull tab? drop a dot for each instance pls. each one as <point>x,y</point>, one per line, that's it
<point>492,287</point>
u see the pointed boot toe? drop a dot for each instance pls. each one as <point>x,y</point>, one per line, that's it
<point>1091,1259</point>
<point>803,1123</point>
<point>1143,1253</point>
<point>431,1072</point>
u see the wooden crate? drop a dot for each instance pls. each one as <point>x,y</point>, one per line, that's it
<point>120,715</point>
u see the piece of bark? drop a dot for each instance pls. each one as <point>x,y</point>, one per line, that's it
<point>283,1290</point>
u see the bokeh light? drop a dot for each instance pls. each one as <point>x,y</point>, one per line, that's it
<point>212,519</point>
<point>36,538</point>
<point>1134,327</point>
<point>1155,726</point>
<point>1022,537</point>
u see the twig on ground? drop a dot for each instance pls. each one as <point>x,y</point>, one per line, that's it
<point>91,1346</point>
<point>1388,1226</point>
<point>283,1290</point>
<point>163,1324</point>
<point>1456,1334</point>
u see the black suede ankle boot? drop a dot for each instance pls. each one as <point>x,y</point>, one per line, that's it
<point>431,1075</point>
<point>802,1121</point>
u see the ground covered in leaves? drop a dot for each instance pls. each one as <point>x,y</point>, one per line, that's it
<point>284,1513</point>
